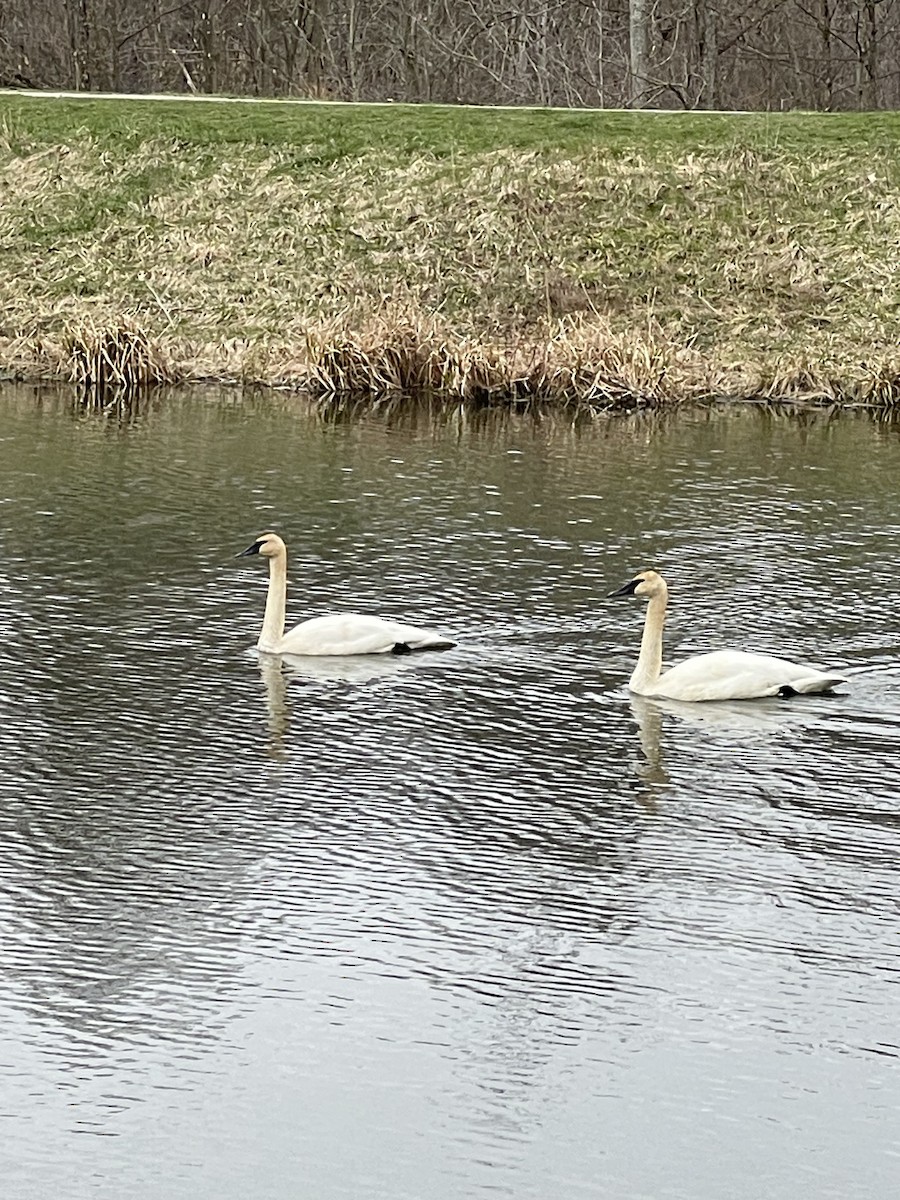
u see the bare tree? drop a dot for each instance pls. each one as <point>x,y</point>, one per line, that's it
<point>775,54</point>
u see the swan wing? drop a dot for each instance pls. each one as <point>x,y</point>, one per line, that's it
<point>353,633</point>
<point>737,675</point>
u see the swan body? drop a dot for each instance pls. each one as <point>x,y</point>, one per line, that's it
<point>342,634</point>
<point>721,675</point>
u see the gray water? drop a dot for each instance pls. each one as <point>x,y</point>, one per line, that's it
<point>472,924</point>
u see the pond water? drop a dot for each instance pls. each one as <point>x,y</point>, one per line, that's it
<point>469,924</point>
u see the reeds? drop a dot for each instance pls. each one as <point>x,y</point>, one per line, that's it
<point>574,363</point>
<point>121,356</point>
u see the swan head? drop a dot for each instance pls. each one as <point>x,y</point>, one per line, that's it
<point>646,584</point>
<point>269,545</point>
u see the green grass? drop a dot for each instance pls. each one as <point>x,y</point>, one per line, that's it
<point>749,253</point>
<point>323,132</point>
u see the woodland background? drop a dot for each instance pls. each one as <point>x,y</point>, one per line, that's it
<point>709,54</point>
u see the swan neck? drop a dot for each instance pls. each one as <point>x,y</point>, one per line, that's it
<point>276,601</point>
<point>649,664</point>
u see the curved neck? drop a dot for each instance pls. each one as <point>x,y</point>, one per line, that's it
<point>276,600</point>
<point>649,663</point>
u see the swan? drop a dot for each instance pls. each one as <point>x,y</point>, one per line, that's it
<point>347,633</point>
<point>722,675</point>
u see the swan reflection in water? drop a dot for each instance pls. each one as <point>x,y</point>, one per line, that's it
<point>722,721</point>
<point>278,671</point>
<point>759,719</point>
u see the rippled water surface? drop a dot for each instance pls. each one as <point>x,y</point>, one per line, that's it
<point>461,925</point>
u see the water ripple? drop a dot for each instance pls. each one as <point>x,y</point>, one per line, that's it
<point>484,906</point>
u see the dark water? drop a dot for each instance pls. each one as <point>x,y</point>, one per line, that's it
<point>475,924</point>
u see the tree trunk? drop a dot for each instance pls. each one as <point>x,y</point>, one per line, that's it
<point>827,54</point>
<point>601,85</point>
<point>639,51</point>
<point>871,54</point>
<point>313,24</point>
<point>707,53</point>
<point>76,44</point>
<point>82,48</point>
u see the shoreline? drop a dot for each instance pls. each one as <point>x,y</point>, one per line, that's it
<point>488,256</point>
<point>566,371</point>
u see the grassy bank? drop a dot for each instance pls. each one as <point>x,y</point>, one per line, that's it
<point>605,258</point>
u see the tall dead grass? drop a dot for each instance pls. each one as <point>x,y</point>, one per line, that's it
<point>121,356</point>
<point>576,363</point>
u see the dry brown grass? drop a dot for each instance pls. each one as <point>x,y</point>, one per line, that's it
<point>495,276</point>
<point>120,356</point>
<point>575,363</point>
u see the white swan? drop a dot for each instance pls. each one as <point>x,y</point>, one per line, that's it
<point>722,675</point>
<point>348,633</point>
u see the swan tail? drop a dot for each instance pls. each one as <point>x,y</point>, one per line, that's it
<point>430,642</point>
<point>810,684</point>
